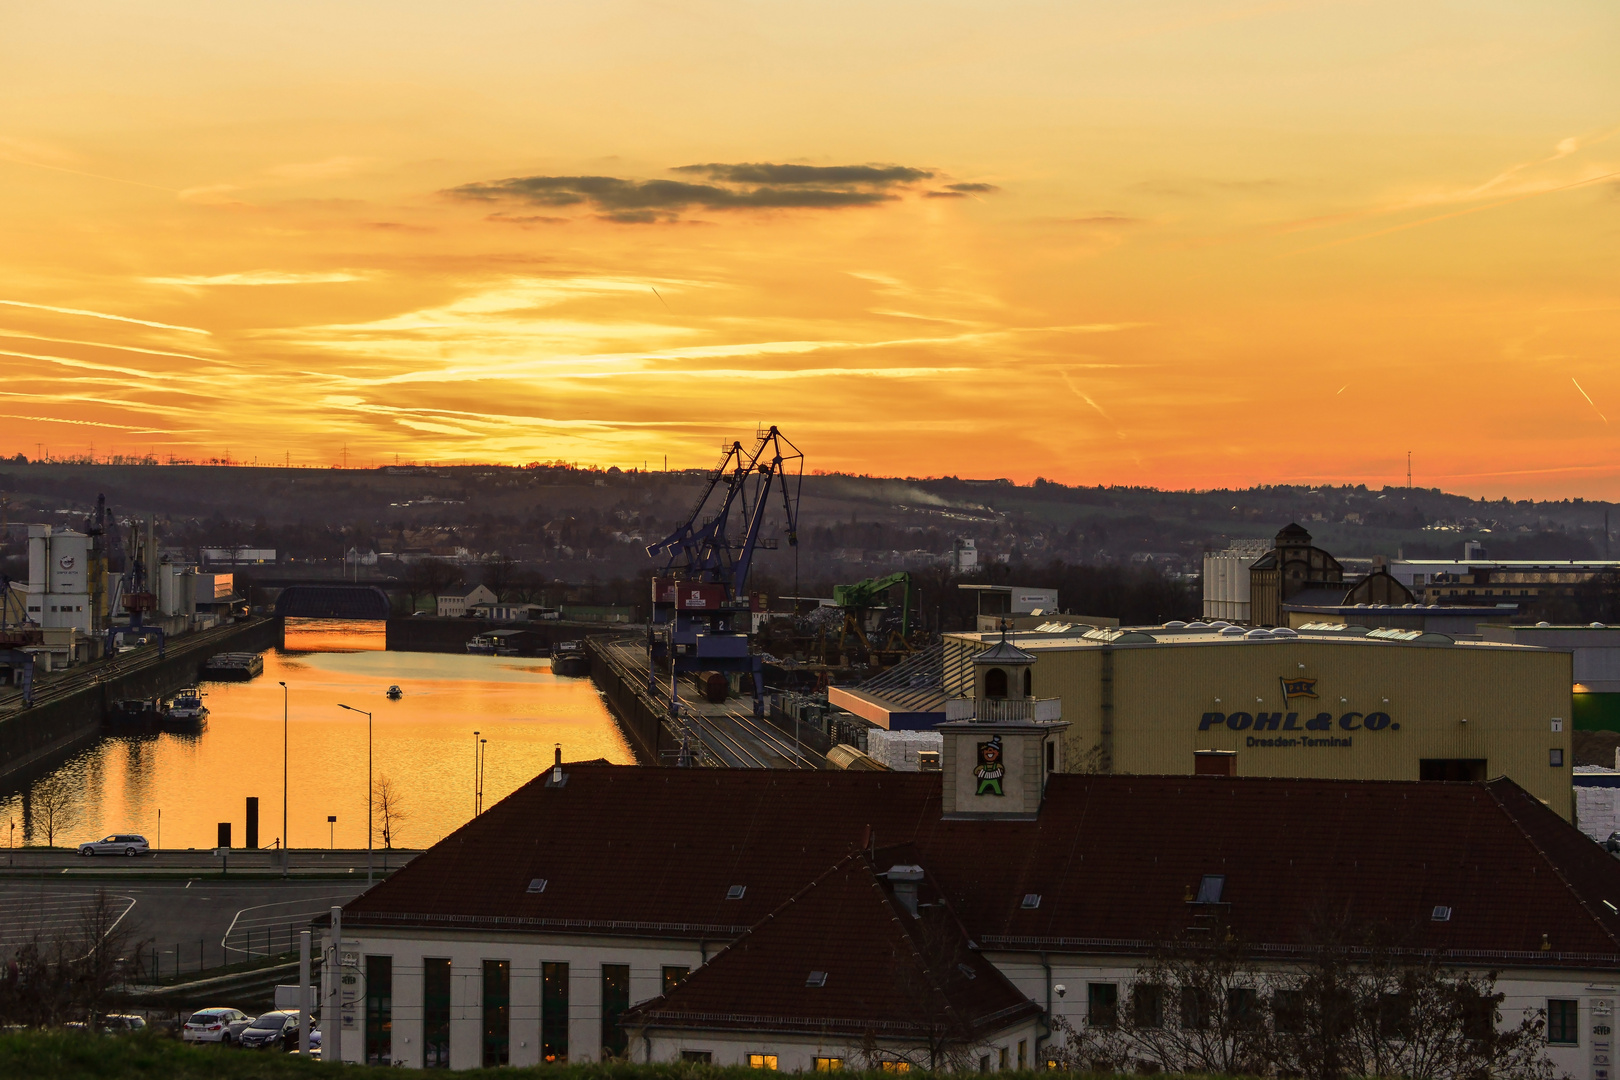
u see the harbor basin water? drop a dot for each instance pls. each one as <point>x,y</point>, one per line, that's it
<point>176,786</point>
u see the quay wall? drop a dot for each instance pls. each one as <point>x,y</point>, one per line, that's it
<point>429,633</point>
<point>71,712</point>
<point>639,717</point>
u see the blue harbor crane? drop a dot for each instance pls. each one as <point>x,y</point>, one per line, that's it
<point>702,612</point>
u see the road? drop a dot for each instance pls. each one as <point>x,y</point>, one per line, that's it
<point>259,862</point>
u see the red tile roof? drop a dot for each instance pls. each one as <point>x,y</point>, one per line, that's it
<point>653,851</point>
<point>843,957</point>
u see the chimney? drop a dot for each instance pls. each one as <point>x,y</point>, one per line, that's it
<point>904,880</point>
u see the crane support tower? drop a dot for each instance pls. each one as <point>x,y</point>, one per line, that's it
<point>702,612</point>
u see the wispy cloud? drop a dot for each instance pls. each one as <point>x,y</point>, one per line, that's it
<point>102,315</point>
<point>260,277</point>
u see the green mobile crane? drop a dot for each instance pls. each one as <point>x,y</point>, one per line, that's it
<point>857,599</point>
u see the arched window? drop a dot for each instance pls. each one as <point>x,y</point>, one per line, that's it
<point>995,683</point>
<point>1029,682</point>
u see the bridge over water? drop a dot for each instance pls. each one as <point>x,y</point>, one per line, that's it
<point>332,602</point>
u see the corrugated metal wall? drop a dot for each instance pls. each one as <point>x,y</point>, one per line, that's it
<point>1509,697</point>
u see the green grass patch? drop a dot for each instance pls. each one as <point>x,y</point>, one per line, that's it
<point>55,1055</point>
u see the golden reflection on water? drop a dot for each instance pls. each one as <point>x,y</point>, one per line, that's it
<point>423,743</point>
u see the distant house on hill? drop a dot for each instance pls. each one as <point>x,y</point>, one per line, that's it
<point>454,605</point>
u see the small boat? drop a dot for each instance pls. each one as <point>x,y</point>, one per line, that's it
<point>133,711</point>
<point>569,658</point>
<point>505,643</point>
<point>233,666</point>
<point>395,693</point>
<point>185,707</point>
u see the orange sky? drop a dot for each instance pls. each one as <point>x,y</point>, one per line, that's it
<point>1169,243</point>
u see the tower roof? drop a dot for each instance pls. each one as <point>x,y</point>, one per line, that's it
<point>1004,652</point>
<point>1292,535</point>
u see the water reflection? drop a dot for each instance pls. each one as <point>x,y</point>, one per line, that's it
<point>424,743</point>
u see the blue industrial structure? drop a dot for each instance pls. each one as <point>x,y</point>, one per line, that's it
<point>701,606</point>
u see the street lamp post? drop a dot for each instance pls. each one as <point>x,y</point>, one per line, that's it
<point>475,774</point>
<point>483,756</point>
<point>286,857</point>
<point>369,800</point>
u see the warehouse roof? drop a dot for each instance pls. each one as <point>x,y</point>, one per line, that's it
<point>1062,637</point>
<point>708,853</point>
<point>886,968</point>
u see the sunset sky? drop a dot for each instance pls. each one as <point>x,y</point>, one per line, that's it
<point>1170,243</point>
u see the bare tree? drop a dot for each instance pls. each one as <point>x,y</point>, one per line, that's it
<point>76,974</point>
<point>1349,1005</point>
<point>429,576</point>
<point>940,1037</point>
<point>52,806</point>
<point>387,813</point>
<point>499,575</point>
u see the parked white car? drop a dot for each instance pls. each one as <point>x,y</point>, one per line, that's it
<point>120,844</point>
<point>215,1025</point>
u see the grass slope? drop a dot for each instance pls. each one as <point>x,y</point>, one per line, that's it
<point>53,1055</point>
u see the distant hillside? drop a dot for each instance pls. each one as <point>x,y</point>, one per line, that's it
<point>581,526</point>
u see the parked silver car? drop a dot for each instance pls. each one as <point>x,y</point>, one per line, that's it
<point>118,844</point>
<point>215,1025</point>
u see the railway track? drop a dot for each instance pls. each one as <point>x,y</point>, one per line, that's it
<point>117,667</point>
<point>734,739</point>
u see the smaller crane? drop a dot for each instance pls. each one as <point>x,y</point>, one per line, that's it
<point>858,599</point>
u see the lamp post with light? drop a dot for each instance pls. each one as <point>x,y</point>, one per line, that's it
<point>351,708</point>
<point>285,854</point>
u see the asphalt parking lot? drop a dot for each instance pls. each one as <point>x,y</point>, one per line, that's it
<point>211,920</point>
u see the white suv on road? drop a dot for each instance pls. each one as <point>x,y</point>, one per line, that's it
<point>121,844</point>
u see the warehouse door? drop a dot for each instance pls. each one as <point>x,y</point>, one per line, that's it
<point>1469,769</point>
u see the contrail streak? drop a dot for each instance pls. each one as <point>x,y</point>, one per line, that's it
<point>103,315</point>
<point>1589,400</point>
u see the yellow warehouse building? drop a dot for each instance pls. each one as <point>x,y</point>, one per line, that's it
<point>1333,702</point>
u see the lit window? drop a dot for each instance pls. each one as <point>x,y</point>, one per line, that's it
<point>762,1061</point>
<point>897,1066</point>
<point>829,1064</point>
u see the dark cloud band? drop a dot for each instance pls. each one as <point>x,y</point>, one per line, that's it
<point>746,186</point>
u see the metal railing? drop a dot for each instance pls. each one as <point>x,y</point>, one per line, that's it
<point>1005,710</point>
